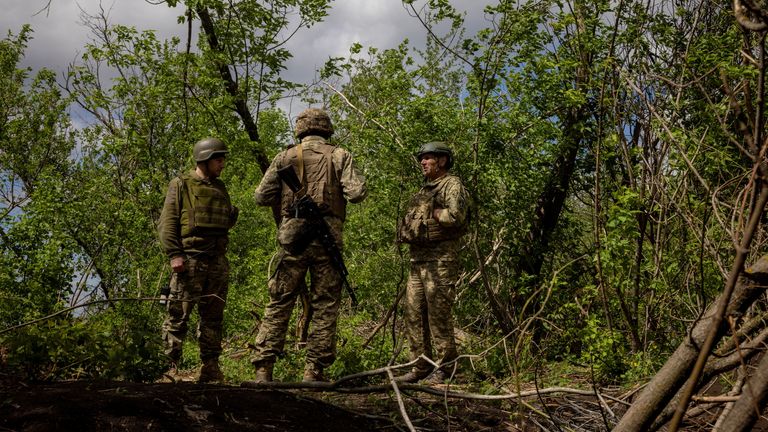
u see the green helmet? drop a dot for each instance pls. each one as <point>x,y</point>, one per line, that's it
<point>436,147</point>
<point>208,148</point>
<point>313,121</point>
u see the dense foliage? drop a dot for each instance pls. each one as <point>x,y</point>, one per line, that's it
<point>600,141</point>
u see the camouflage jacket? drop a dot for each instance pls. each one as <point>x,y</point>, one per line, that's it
<point>436,239</point>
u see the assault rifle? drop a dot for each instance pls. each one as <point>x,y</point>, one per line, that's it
<point>308,209</point>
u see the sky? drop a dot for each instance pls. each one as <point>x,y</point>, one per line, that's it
<point>59,34</point>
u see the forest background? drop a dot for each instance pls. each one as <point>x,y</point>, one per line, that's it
<point>612,150</point>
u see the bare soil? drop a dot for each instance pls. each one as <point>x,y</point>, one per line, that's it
<point>189,406</point>
<point>185,406</point>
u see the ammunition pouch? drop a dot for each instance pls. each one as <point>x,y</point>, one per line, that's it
<point>412,231</point>
<point>295,234</point>
<point>437,232</point>
<point>419,226</point>
<point>420,231</point>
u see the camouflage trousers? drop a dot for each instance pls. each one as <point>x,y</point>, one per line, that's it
<point>324,298</point>
<point>428,317</point>
<point>203,283</point>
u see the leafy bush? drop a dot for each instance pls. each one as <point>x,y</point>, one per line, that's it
<point>604,351</point>
<point>71,349</point>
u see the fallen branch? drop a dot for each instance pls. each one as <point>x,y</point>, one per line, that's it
<point>715,399</point>
<point>400,402</point>
<point>754,394</point>
<point>671,377</point>
<point>383,388</point>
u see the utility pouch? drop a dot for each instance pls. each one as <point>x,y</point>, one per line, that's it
<point>294,235</point>
<point>435,232</point>
<point>412,230</point>
<point>413,227</point>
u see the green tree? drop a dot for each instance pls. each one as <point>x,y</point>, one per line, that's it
<point>35,146</point>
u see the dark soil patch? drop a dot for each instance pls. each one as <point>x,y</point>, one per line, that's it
<point>121,406</point>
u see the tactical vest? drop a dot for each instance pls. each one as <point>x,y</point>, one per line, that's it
<point>419,227</point>
<point>314,166</point>
<point>207,207</point>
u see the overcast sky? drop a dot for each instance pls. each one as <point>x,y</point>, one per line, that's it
<point>59,35</point>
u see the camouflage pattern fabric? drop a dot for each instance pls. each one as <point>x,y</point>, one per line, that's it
<point>313,121</point>
<point>436,239</point>
<point>428,317</point>
<point>325,300</point>
<point>325,287</point>
<point>354,189</point>
<point>431,283</point>
<point>204,284</point>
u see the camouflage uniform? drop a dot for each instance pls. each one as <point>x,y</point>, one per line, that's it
<point>198,232</point>
<point>434,245</point>
<point>331,179</point>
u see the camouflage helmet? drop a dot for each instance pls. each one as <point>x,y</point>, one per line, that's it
<point>208,148</point>
<point>313,121</point>
<point>438,148</point>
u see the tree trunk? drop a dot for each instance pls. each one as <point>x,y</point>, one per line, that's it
<point>754,395</point>
<point>714,368</point>
<point>550,202</point>
<point>241,105</point>
<point>668,381</point>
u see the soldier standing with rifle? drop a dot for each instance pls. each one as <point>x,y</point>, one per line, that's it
<point>311,182</point>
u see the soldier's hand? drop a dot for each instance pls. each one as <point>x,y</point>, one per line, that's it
<point>177,264</point>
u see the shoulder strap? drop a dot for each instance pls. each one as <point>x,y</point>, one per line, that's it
<point>328,154</point>
<point>299,149</point>
<point>300,155</point>
<point>187,199</point>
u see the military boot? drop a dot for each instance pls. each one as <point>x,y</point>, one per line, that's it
<point>313,373</point>
<point>264,372</point>
<point>210,372</point>
<point>171,375</point>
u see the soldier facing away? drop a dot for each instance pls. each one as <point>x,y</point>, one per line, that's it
<point>435,220</point>
<point>193,228</point>
<point>329,177</point>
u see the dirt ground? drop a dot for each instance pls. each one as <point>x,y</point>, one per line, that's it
<point>185,406</point>
<point>188,406</point>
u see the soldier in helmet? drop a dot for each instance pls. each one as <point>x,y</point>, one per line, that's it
<point>193,228</point>
<point>329,177</point>
<point>435,220</point>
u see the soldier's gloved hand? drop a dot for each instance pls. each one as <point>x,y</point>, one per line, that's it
<point>177,264</point>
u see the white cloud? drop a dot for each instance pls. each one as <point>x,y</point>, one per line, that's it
<point>60,37</point>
